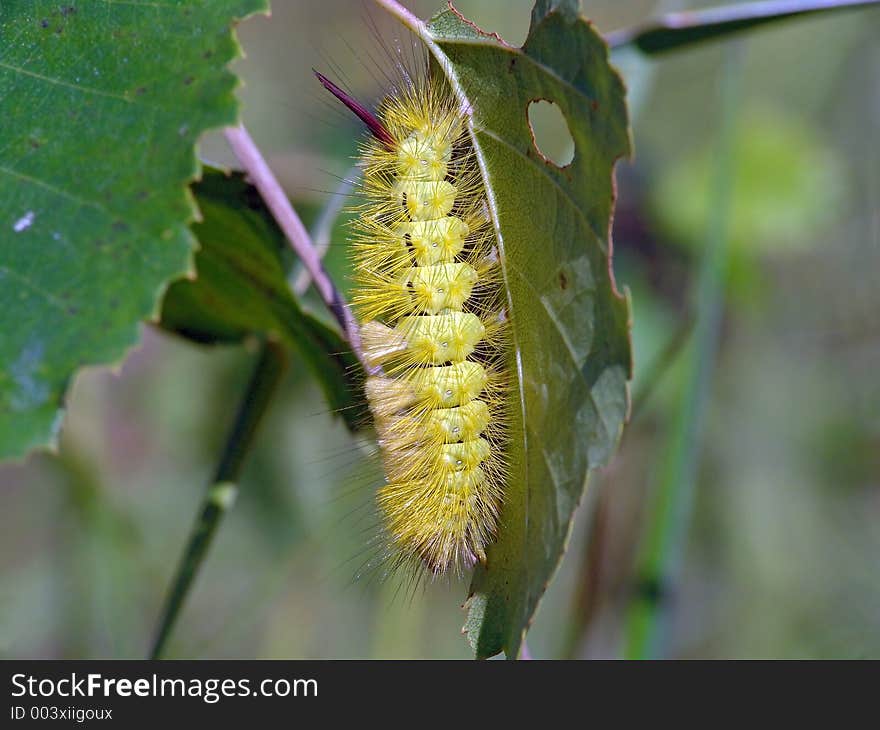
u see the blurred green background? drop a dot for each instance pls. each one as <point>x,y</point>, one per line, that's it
<point>783,550</point>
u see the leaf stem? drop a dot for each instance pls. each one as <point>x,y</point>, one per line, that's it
<point>402,14</point>
<point>322,230</point>
<point>677,30</point>
<point>420,28</point>
<point>660,557</point>
<point>264,180</point>
<point>223,488</point>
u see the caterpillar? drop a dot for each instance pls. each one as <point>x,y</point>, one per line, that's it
<point>429,298</point>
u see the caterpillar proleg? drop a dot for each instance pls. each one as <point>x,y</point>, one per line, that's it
<point>429,298</point>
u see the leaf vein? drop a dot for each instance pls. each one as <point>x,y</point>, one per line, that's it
<point>565,194</point>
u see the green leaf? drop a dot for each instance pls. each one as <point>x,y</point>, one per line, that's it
<point>569,9</point>
<point>679,30</point>
<point>102,105</point>
<point>240,289</point>
<point>570,326</point>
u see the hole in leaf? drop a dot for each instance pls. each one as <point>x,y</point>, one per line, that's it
<point>550,133</point>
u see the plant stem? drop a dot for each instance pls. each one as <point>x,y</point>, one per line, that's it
<point>223,488</point>
<point>660,558</point>
<point>402,14</point>
<point>276,200</point>
<point>678,30</point>
<point>660,365</point>
<point>322,231</point>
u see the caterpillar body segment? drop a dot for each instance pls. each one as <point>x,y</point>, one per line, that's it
<point>429,297</point>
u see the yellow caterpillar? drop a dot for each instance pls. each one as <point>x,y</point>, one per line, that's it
<point>429,297</point>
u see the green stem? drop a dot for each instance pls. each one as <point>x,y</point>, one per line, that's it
<point>660,365</point>
<point>661,555</point>
<point>223,488</point>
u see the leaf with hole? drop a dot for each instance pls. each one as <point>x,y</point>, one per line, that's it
<point>102,106</point>
<point>570,326</point>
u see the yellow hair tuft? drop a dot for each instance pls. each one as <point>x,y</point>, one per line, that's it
<point>429,296</point>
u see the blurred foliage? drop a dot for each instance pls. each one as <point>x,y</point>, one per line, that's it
<point>781,560</point>
<point>781,170</point>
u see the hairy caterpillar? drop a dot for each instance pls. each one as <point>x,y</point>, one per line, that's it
<point>430,300</point>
